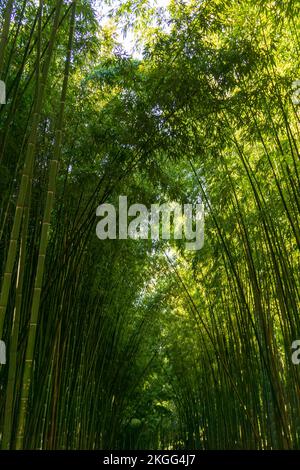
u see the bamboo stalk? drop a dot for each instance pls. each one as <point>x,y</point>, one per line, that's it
<point>43,246</point>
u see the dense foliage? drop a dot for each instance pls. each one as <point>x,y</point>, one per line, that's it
<point>127,344</point>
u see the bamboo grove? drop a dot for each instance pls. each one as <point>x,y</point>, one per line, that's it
<point>136,344</point>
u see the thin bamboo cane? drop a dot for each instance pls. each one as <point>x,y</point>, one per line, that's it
<point>4,35</point>
<point>43,246</point>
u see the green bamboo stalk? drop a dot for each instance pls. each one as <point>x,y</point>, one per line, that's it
<point>43,247</point>
<point>13,346</point>
<point>27,172</point>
